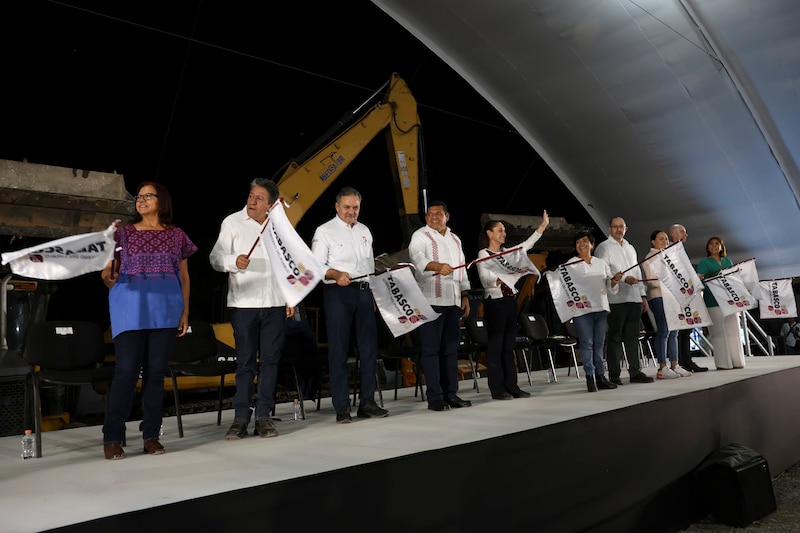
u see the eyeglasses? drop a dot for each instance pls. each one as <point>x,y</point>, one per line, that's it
<point>618,227</point>
<point>256,197</point>
<point>146,196</point>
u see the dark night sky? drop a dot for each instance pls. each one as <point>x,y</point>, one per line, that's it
<point>205,95</point>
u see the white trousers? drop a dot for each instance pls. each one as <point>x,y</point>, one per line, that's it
<point>725,336</point>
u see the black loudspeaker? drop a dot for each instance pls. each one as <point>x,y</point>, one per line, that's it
<point>735,485</point>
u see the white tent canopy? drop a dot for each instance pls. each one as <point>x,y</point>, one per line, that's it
<point>659,111</point>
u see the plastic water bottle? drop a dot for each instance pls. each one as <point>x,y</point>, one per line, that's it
<point>298,415</point>
<point>28,445</point>
<point>550,377</point>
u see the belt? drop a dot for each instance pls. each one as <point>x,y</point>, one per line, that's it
<point>360,285</point>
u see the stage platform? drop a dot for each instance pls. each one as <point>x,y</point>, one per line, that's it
<point>561,460</point>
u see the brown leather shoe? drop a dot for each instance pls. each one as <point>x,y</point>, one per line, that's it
<point>113,451</point>
<point>153,447</point>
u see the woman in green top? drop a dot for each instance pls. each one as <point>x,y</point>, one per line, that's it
<point>724,332</point>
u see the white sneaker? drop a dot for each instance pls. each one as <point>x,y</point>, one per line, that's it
<point>682,372</point>
<point>667,373</point>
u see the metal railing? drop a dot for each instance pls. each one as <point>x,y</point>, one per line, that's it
<point>752,334</point>
<point>702,342</point>
<point>750,326</point>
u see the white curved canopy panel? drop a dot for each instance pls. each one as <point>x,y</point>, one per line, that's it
<point>659,111</point>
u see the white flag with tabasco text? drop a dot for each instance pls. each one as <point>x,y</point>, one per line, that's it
<point>574,293</point>
<point>675,273</point>
<point>296,268</point>
<point>687,316</point>
<point>777,299</point>
<point>65,258</point>
<point>747,273</point>
<point>730,293</point>
<point>400,301</point>
<point>510,266</point>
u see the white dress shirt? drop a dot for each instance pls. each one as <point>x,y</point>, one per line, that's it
<point>345,248</point>
<point>621,257</point>
<point>489,278</point>
<point>254,287</point>
<point>428,245</point>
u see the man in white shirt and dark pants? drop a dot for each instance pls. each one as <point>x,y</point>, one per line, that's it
<point>437,254</point>
<point>256,308</point>
<point>626,305</point>
<point>344,246</point>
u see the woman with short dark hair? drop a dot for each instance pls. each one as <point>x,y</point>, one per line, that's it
<point>592,326</point>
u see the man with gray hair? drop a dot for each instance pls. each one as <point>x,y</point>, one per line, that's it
<point>344,246</point>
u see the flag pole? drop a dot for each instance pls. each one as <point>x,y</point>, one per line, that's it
<point>649,258</point>
<point>564,265</point>
<point>392,269</point>
<point>467,265</point>
<point>263,227</point>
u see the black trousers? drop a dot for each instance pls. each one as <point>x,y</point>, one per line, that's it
<point>684,347</point>
<point>500,316</point>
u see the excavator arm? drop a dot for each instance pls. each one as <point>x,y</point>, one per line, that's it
<point>304,179</point>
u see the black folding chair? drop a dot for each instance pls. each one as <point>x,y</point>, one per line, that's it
<point>67,353</point>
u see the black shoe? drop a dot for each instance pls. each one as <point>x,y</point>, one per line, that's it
<point>694,367</point>
<point>603,383</point>
<point>438,405</point>
<point>370,409</point>
<point>519,393</point>
<point>641,377</point>
<point>265,428</point>
<point>590,384</point>
<point>343,415</point>
<point>502,396</point>
<point>616,380</point>
<point>237,431</point>
<point>456,402</point>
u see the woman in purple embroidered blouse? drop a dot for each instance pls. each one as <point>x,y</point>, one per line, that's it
<point>148,301</point>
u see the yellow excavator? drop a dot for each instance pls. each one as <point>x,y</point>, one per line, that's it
<point>392,109</point>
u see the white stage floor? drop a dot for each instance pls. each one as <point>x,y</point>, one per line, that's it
<point>72,482</point>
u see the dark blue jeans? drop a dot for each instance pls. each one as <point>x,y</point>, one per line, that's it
<point>344,307</point>
<point>439,342</point>
<point>148,351</point>
<point>666,341</point>
<point>259,335</point>
<point>591,337</point>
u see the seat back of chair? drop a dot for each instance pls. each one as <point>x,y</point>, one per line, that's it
<point>64,345</point>
<point>300,343</point>
<point>199,344</point>
<point>533,326</point>
<point>476,330</point>
<point>572,331</point>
